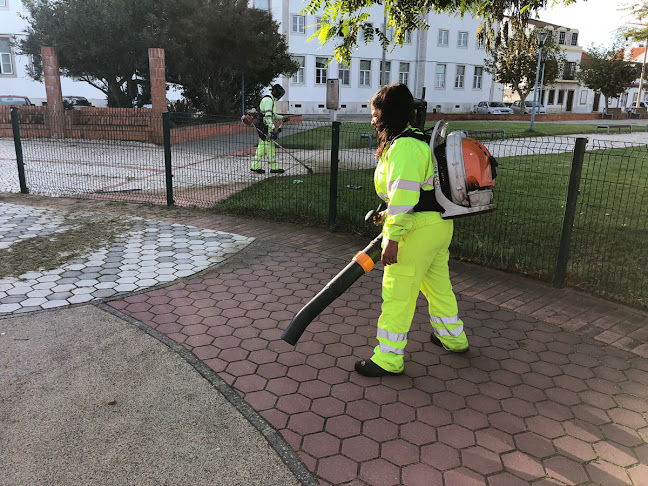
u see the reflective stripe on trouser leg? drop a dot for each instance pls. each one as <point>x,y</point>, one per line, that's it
<point>272,159</point>
<point>442,305</point>
<point>261,151</point>
<point>428,236</point>
<point>399,292</point>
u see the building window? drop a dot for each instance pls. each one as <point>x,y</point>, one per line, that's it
<point>583,97</point>
<point>443,37</point>
<point>3,3</point>
<point>298,24</point>
<point>574,39</point>
<point>439,76</point>
<point>477,78</point>
<point>344,74</point>
<point>6,61</point>
<point>551,96</point>
<point>365,73</point>
<point>321,71</point>
<point>259,4</point>
<point>403,73</point>
<point>459,77</point>
<point>561,96</point>
<point>570,71</point>
<point>481,43</point>
<point>408,37</point>
<point>462,39</point>
<point>561,37</point>
<point>298,77</point>
<point>385,76</point>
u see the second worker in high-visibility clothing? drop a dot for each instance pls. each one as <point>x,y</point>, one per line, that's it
<point>415,237</point>
<point>266,130</point>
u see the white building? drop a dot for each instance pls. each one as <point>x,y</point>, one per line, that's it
<point>446,59</point>
<point>565,94</point>
<point>13,68</point>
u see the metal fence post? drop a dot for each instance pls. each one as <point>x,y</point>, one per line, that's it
<point>168,171</point>
<point>570,213</point>
<point>18,147</point>
<point>335,149</point>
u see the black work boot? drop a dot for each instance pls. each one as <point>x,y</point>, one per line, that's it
<point>277,171</point>
<point>435,340</point>
<point>366,367</point>
<point>258,171</point>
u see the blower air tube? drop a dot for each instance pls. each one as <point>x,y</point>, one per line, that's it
<point>362,263</point>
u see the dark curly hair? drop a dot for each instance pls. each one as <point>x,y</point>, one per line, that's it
<point>396,106</point>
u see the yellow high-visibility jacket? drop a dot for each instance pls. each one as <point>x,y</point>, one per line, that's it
<point>404,169</point>
<point>267,107</point>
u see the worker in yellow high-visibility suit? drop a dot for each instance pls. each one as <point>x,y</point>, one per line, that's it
<point>415,237</point>
<point>266,130</point>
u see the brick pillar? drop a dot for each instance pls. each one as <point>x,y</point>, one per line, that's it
<point>158,91</point>
<point>55,112</point>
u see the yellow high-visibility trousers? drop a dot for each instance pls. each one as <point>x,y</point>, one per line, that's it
<point>422,266</point>
<point>265,147</point>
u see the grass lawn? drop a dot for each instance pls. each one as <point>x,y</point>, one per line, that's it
<point>320,137</point>
<point>608,252</point>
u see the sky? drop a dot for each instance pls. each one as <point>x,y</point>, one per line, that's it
<point>595,20</point>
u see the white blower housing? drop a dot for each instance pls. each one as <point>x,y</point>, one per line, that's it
<point>464,173</point>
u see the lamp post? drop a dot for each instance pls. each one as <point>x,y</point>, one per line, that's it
<point>544,63</point>
<point>542,37</point>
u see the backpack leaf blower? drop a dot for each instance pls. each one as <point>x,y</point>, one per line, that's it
<point>464,177</point>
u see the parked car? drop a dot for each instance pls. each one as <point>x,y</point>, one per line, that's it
<point>10,100</point>
<point>75,102</point>
<point>517,107</point>
<point>492,108</point>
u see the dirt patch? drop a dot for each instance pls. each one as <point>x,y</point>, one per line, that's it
<point>81,234</point>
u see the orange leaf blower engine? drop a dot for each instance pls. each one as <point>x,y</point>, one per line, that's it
<point>464,173</point>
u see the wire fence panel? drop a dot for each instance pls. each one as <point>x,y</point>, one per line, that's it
<point>212,164</point>
<point>609,252</point>
<point>87,153</point>
<point>523,234</point>
<point>119,154</point>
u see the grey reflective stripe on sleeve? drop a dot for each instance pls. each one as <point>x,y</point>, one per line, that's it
<point>445,320</point>
<point>428,182</point>
<point>394,210</point>
<point>445,332</point>
<point>383,196</point>
<point>404,185</point>
<point>391,336</point>
<point>385,348</point>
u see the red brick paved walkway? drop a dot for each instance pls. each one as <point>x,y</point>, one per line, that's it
<point>537,402</point>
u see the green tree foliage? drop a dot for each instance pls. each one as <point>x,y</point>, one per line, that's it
<point>210,49</point>
<point>606,71</point>
<point>208,45</point>
<point>347,21</point>
<point>102,43</point>
<point>514,61</point>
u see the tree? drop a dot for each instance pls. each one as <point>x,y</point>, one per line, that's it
<point>207,60</point>
<point>348,20</point>
<point>606,71</point>
<point>102,43</point>
<point>514,61</point>
<point>208,44</point>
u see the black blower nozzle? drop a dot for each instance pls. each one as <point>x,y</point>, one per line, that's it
<point>362,263</point>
